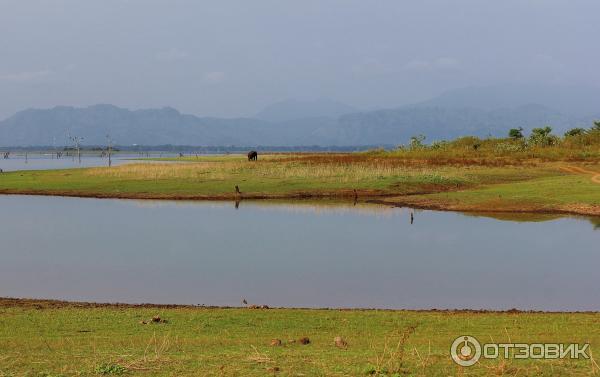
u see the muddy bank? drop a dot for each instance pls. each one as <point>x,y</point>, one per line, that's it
<point>340,194</point>
<point>363,196</point>
<point>521,208</point>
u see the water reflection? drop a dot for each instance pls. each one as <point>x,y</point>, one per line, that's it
<point>533,217</point>
<point>301,254</point>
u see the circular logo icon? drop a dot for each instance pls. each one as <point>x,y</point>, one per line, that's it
<point>465,350</point>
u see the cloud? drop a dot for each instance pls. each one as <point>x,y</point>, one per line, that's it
<point>370,66</point>
<point>417,65</point>
<point>214,77</point>
<point>442,63</point>
<point>547,62</point>
<point>25,76</point>
<point>447,62</point>
<point>172,55</point>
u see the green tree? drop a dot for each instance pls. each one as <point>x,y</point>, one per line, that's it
<point>417,141</point>
<point>516,133</point>
<point>596,126</point>
<point>574,132</point>
<point>542,136</point>
<point>541,132</point>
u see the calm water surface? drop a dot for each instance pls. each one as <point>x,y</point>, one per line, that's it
<point>37,161</point>
<point>300,255</point>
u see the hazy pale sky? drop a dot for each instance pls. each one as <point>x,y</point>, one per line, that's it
<point>231,58</point>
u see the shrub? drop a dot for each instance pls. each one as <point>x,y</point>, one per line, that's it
<point>574,132</point>
<point>416,142</point>
<point>542,137</point>
<point>439,144</point>
<point>509,147</point>
<point>516,133</point>
<point>114,369</point>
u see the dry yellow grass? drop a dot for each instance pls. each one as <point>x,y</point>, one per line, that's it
<point>331,171</point>
<point>472,186</point>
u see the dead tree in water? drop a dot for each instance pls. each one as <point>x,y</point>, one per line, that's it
<point>77,142</point>
<point>110,142</point>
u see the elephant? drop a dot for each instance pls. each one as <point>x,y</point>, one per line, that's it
<point>252,156</point>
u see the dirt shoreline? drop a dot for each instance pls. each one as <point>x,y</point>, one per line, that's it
<point>42,304</point>
<point>522,209</point>
<point>361,196</point>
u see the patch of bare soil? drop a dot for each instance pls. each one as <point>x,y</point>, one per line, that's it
<point>579,170</point>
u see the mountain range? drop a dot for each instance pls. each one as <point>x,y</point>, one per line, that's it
<point>470,111</point>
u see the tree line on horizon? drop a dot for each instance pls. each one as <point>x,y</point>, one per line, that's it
<point>541,136</point>
<point>576,143</point>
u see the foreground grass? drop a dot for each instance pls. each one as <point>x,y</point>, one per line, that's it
<point>41,339</point>
<point>481,184</point>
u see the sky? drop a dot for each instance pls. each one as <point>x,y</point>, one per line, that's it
<point>232,58</point>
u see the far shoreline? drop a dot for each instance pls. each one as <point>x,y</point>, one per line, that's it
<point>40,304</point>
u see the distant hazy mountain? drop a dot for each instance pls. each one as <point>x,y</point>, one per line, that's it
<point>146,127</point>
<point>478,112</point>
<point>567,99</point>
<point>294,109</point>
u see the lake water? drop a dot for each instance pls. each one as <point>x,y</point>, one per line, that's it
<point>303,255</point>
<point>37,161</point>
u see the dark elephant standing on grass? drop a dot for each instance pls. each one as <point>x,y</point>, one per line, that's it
<point>252,156</point>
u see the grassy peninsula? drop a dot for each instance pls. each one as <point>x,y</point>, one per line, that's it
<point>542,173</point>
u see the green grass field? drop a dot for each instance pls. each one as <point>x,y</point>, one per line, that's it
<point>218,176</point>
<point>570,193</point>
<point>475,185</point>
<point>41,339</point>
